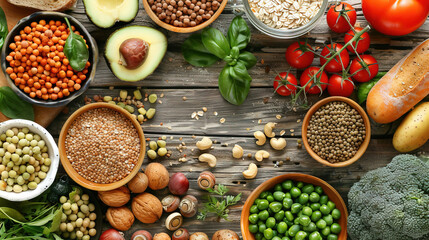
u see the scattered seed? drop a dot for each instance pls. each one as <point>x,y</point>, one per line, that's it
<point>194,114</point>
<point>184,98</point>
<point>169,127</point>
<point>162,95</point>
<point>259,121</point>
<point>204,109</point>
<point>287,158</point>
<point>282,132</point>
<point>215,113</point>
<point>292,130</point>
<point>249,155</point>
<point>267,69</point>
<point>262,61</point>
<point>298,121</point>
<point>222,120</point>
<point>278,116</point>
<point>200,113</point>
<point>111,87</point>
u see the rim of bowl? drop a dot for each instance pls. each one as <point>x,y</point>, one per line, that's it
<point>93,58</point>
<point>183,29</point>
<point>75,175</point>
<point>363,146</point>
<point>270,183</point>
<point>53,155</point>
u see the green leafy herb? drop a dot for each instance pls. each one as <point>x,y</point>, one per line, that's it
<point>364,88</point>
<point>14,107</point>
<point>3,27</point>
<point>205,49</point>
<point>75,50</point>
<point>218,203</point>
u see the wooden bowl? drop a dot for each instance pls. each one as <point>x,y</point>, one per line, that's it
<point>333,195</point>
<point>172,28</point>
<point>362,148</point>
<point>69,168</point>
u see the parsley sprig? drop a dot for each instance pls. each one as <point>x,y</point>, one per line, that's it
<point>218,203</point>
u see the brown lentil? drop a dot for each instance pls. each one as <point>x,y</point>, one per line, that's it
<point>336,132</point>
<point>102,145</point>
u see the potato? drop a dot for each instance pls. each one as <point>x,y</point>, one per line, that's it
<point>414,129</point>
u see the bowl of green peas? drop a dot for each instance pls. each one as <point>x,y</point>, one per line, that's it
<point>294,207</point>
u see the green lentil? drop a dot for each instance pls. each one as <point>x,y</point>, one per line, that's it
<point>137,94</point>
<point>152,98</point>
<point>150,113</point>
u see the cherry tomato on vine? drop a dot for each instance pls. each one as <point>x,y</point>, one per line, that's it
<point>339,87</point>
<point>337,15</point>
<point>335,64</point>
<point>362,43</point>
<point>298,55</point>
<point>311,87</point>
<point>283,85</point>
<point>359,68</point>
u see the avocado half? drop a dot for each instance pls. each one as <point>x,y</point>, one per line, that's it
<point>156,41</point>
<point>105,13</point>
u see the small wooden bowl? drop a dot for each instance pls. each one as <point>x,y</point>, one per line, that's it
<point>172,28</point>
<point>69,168</point>
<point>333,195</point>
<point>362,148</point>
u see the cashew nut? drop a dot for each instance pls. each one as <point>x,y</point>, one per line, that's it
<point>208,158</point>
<point>261,154</point>
<point>268,129</point>
<point>204,143</point>
<point>261,138</point>
<point>251,172</point>
<point>278,143</point>
<point>237,151</point>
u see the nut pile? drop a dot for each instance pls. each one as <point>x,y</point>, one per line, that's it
<point>336,131</point>
<point>184,13</point>
<point>102,145</point>
<point>24,160</point>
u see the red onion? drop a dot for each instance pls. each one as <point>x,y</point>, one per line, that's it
<point>178,184</point>
<point>112,234</point>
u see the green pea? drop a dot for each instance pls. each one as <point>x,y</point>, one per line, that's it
<point>321,224</point>
<point>296,221</point>
<point>289,216</point>
<point>304,220</point>
<point>254,209</point>
<point>285,238</point>
<point>295,208</point>
<point>279,215</point>
<point>276,207</point>
<point>270,212</point>
<point>270,198</point>
<point>315,206</point>
<point>328,219</point>
<point>253,228</point>
<point>278,187</point>
<point>263,195</point>
<point>311,227</point>
<point>253,218</point>
<point>301,235</point>
<point>263,215</point>
<point>319,190</point>
<point>293,230</point>
<point>276,238</point>
<point>263,204</point>
<point>271,222</point>
<point>289,223</point>
<point>287,195</point>
<point>275,232</point>
<point>336,214</point>
<point>295,192</point>
<point>303,198</point>
<point>287,203</point>
<point>335,228</point>
<point>324,199</point>
<point>278,196</point>
<point>314,197</point>
<point>287,185</point>
<point>300,184</point>
<point>326,231</point>
<point>331,205</point>
<point>262,228</point>
<point>332,237</point>
<point>307,211</point>
<point>258,236</point>
<point>309,188</point>
<point>325,209</point>
<point>268,233</point>
<point>282,227</point>
<point>315,236</point>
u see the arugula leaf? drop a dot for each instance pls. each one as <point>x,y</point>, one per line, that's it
<point>11,214</point>
<point>13,106</point>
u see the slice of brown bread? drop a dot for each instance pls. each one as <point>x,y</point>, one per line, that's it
<point>47,5</point>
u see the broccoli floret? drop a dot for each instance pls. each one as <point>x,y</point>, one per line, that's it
<point>391,202</point>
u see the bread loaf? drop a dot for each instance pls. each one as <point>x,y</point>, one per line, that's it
<point>405,85</point>
<point>46,5</point>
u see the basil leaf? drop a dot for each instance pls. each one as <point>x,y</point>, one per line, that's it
<point>239,72</point>
<point>248,59</point>
<point>215,42</point>
<point>14,107</point>
<point>232,90</point>
<point>195,53</point>
<point>365,88</point>
<point>75,50</point>
<point>3,27</point>
<point>238,33</point>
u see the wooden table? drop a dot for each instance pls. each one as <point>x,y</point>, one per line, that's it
<point>176,79</point>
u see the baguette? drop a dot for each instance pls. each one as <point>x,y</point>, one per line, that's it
<point>405,85</point>
<point>46,5</point>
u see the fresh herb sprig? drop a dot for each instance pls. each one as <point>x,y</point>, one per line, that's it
<point>218,203</point>
<point>76,50</point>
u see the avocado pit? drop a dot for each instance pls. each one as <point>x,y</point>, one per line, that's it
<point>133,53</point>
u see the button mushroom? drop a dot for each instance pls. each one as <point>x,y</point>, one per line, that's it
<point>174,221</point>
<point>181,234</point>
<point>199,236</point>
<point>188,206</point>
<point>225,234</point>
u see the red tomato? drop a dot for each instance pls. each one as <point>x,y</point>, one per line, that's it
<point>358,68</point>
<point>339,87</point>
<point>307,76</point>
<point>299,56</point>
<point>362,43</point>
<point>395,17</point>
<point>335,65</point>
<point>339,23</point>
<point>283,86</point>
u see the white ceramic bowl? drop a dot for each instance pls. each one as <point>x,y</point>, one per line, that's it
<point>53,155</point>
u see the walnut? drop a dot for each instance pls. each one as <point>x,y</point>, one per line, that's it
<point>157,175</point>
<point>120,218</point>
<point>147,208</point>
<point>161,236</point>
<point>115,198</point>
<point>139,183</point>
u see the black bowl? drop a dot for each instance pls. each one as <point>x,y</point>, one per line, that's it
<point>57,16</point>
